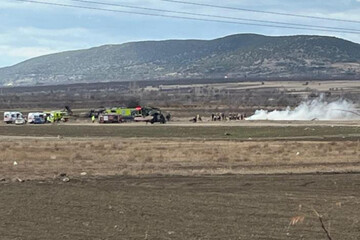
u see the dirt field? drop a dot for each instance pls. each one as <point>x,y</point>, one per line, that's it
<point>294,86</point>
<point>222,207</point>
<point>180,181</point>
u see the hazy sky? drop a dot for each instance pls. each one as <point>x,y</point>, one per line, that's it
<point>28,29</point>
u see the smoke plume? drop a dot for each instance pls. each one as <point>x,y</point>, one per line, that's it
<point>314,109</point>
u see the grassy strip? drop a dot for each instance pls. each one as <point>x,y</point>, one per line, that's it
<point>192,132</point>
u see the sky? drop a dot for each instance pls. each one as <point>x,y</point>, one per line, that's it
<point>29,30</point>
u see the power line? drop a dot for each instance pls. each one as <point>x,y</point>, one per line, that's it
<point>260,11</point>
<point>182,17</point>
<point>214,16</point>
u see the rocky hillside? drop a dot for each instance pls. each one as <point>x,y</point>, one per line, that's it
<point>236,56</point>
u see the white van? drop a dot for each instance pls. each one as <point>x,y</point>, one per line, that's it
<point>35,115</point>
<point>10,117</point>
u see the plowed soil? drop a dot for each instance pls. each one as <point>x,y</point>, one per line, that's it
<point>208,207</point>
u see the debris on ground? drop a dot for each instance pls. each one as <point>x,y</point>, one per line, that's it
<point>20,180</point>
<point>66,179</point>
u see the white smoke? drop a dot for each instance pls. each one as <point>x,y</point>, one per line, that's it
<point>308,110</point>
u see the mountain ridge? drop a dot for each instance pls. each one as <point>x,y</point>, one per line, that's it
<point>236,56</point>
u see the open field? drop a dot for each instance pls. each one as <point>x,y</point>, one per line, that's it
<point>38,158</point>
<point>241,180</point>
<point>294,86</point>
<point>182,97</point>
<point>208,207</point>
<point>45,151</point>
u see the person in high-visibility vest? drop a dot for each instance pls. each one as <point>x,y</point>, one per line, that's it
<point>93,118</point>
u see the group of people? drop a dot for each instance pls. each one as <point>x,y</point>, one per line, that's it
<point>221,117</point>
<point>224,117</point>
<point>197,118</point>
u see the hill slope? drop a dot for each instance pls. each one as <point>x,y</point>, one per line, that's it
<point>240,56</point>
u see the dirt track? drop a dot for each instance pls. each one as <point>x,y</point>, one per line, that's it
<point>222,207</point>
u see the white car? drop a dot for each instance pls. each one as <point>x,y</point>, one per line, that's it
<point>20,121</point>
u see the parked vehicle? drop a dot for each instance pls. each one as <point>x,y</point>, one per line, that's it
<point>128,114</point>
<point>137,114</point>
<point>10,117</point>
<point>56,116</point>
<point>20,121</point>
<point>39,120</point>
<point>110,118</point>
<point>36,117</point>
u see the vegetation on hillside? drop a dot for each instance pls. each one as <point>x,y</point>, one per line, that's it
<point>240,56</point>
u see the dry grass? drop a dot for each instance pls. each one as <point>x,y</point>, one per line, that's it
<point>47,158</point>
